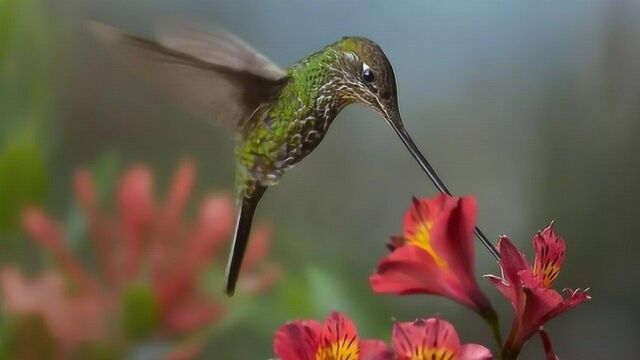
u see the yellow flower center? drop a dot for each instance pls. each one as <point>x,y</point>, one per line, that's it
<point>344,349</point>
<point>424,353</point>
<point>422,239</point>
<point>548,271</point>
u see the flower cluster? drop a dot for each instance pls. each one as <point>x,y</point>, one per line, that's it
<point>435,255</point>
<point>149,262</point>
<point>337,338</point>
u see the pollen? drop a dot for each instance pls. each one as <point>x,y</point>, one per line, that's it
<point>343,349</point>
<point>425,353</point>
<point>549,257</point>
<point>547,272</point>
<point>422,239</point>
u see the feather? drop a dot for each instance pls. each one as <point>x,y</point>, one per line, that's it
<point>207,73</point>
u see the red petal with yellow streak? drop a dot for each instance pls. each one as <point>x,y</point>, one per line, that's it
<point>298,340</point>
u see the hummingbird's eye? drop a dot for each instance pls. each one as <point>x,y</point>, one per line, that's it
<point>367,73</point>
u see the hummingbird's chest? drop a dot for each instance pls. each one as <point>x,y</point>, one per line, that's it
<point>285,130</point>
<point>278,140</point>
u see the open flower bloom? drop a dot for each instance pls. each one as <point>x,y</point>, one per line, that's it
<point>435,254</point>
<point>433,339</point>
<point>335,339</point>
<point>149,258</point>
<point>529,288</point>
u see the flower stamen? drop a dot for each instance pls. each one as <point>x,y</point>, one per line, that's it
<point>344,349</point>
<point>426,353</point>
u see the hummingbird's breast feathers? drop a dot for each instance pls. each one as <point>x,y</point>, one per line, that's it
<point>282,131</point>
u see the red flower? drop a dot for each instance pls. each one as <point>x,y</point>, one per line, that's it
<point>433,339</point>
<point>72,319</point>
<point>529,288</point>
<point>435,254</point>
<point>335,339</point>
<point>147,255</point>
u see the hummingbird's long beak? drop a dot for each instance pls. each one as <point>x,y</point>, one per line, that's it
<point>396,124</point>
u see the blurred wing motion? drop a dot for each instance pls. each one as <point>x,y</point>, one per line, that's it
<point>213,73</point>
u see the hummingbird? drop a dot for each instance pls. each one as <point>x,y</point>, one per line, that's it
<point>278,115</point>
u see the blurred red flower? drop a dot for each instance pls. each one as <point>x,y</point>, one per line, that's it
<point>149,261</point>
<point>433,339</point>
<point>529,288</point>
<point>435,255</point>
<point>336,338</point>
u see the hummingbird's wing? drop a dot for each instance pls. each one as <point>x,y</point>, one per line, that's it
<point>208,72</point>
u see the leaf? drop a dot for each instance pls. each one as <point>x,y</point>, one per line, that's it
<point>140,311</point>
<point>30,339</point>
<point>23,177</point>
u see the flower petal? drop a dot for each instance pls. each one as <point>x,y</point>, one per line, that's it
<point>71,319</point>
<point>100,229</point>
<point>422,218</point>
<point>179,191</point>
<point>453,237</point>
<point>258,247</point>
<point>298,340</point>
<point>85,190</point>
<point>436,254</point>
<point>512,261</point>
<point>538,303</point>
<point>454,241</point>
<point>260,281</point>
<point>424,339</point>
<point>47,233</point>
<point>550,252</point>
<point>473,352</point>
<point>176,276</point>
<point>136,208</point>
<point>339,338</point>
<point>411,270</point>
<point>374,350</point>
<point>191,315</point>
<point>216,215</point>
<point>575,298</point>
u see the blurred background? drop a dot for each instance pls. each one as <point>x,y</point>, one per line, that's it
<point>534,108</point>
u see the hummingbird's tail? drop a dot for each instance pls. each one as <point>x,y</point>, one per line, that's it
<point>243,228</point>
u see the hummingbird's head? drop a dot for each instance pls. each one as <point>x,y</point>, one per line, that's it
<point>367,76</point>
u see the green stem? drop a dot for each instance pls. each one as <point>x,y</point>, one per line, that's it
<point>510,351</point>
<point>491,317</point>
<point>510,354</point>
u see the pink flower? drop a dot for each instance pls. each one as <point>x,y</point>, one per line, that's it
<point>529,288</point>
<point>336,338</point>
<point>435,255</point>
<point>147,255</point>
<point>73,319</point>
<point>433,339</point>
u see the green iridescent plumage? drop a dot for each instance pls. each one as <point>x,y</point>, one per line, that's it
<point>278,125</point>
<point>278,116</point>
